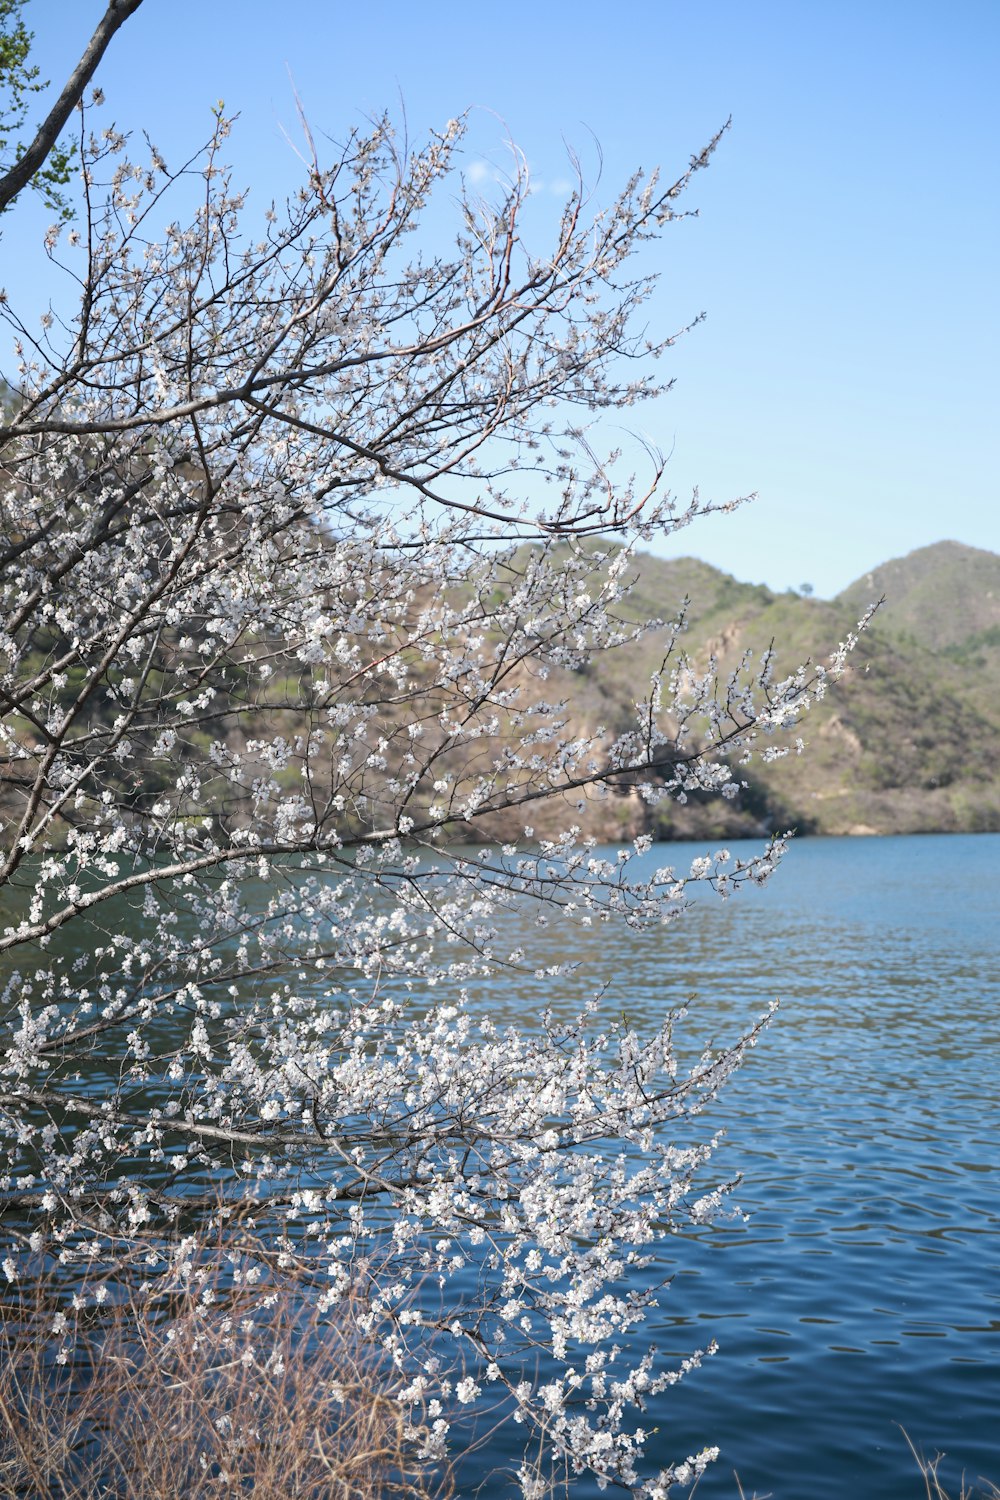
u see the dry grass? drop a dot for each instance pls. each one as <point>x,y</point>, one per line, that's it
<point>933,1487</point>
<point>204,1401</point>
<point>935,1490</point>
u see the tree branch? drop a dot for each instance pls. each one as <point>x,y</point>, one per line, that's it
<point>21,173</point>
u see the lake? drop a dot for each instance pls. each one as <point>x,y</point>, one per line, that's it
<point>863,1295</point>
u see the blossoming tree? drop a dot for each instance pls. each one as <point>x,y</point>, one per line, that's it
<point>295,525</point>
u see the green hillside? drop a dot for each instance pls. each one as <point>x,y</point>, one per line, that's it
<point>907,742</point>
<point>940,597</point>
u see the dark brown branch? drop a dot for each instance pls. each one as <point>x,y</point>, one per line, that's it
<point>21,173</point>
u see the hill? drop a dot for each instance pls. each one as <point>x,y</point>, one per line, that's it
<point>940,597</point>
<point>907,742</point>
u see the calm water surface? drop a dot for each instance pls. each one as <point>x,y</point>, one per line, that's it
<point>863,1295</point>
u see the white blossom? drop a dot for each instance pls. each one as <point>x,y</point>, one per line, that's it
<point>277,626</point>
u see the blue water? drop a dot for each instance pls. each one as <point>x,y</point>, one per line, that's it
<point>863,1295</point>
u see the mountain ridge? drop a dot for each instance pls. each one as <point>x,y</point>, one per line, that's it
<point>940,595</point>
<point>906,743</point>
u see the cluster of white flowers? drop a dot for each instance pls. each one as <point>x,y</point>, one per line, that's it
<point>271,635</point>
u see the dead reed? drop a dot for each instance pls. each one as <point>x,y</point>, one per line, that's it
<point>214,1394</point>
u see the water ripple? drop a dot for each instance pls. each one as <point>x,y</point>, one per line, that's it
<point>862,1294</point>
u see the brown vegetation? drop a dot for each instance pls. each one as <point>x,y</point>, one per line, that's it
<point>201,1398</point>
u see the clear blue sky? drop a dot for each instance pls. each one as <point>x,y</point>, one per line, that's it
<point>846,250</point>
